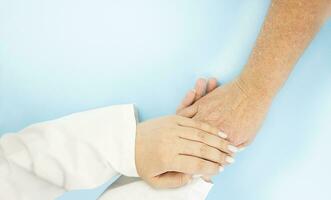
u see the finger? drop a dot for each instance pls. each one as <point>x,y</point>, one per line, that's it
<point>188,100</point>
<point>208,139</point>
<point>188,112</point>
<point>193,165</point>
<point>206,152</point>
<point>212,84</point>
<point>171,180</point>
<point>201,88</point>
<point>243,146</point>
<point>207,179</point>
<point>188,122</point>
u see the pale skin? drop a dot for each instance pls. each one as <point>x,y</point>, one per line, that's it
<point>169,150</point>
<point>176,147</point>
<point>238,108</point>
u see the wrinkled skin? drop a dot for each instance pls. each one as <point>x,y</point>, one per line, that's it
<point>233,109</point>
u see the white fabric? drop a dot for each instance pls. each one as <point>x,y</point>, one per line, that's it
<point>126,188</point>
<point>80,151</point>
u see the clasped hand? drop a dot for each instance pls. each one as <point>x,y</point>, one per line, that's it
<point>211,124</point>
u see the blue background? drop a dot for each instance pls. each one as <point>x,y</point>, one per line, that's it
<point>64,56</point>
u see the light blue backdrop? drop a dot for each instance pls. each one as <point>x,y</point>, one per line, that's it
<point>59,57</point>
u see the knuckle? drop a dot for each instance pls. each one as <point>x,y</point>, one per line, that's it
<point>201,135</point>
<point>204,126</point>
<point>203,150</point>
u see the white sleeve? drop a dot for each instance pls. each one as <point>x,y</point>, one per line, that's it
<point>198,189</point>
<point>79,151</point>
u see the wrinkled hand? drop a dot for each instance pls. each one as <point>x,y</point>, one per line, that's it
<point>169,150</point>
<point>234,108</point>
<point>202,88</point>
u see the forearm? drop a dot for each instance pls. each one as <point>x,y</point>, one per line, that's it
<point>287,31</point>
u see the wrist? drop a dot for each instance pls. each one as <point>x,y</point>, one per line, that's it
<point>254,89</point>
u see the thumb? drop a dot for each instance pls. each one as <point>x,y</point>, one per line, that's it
<point>171,180</point>
<point>188,112</point>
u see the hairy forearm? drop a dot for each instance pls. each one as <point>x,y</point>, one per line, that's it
<point>239,107</point>
<point>288,29</point>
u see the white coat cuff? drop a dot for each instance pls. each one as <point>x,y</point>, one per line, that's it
<point>127,120</point>
<point>200,189</point>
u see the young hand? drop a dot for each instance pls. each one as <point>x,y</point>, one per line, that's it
<point>169,150</point>
<point>202,88</point>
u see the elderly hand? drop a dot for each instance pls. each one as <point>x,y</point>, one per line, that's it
<point>235,108</point>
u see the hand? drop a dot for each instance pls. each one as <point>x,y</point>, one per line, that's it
<point>171,149</point>
<point>234,108</point>
<point>202,87</point>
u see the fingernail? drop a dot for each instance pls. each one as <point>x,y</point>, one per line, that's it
<point>222,134</point>
<point>197,176</point>
<point>207,179</point>
<point>233,148</point>
<point>241,149</point>
<point>193,90</point>
<point>221,169</point>
<point>229,159</point>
